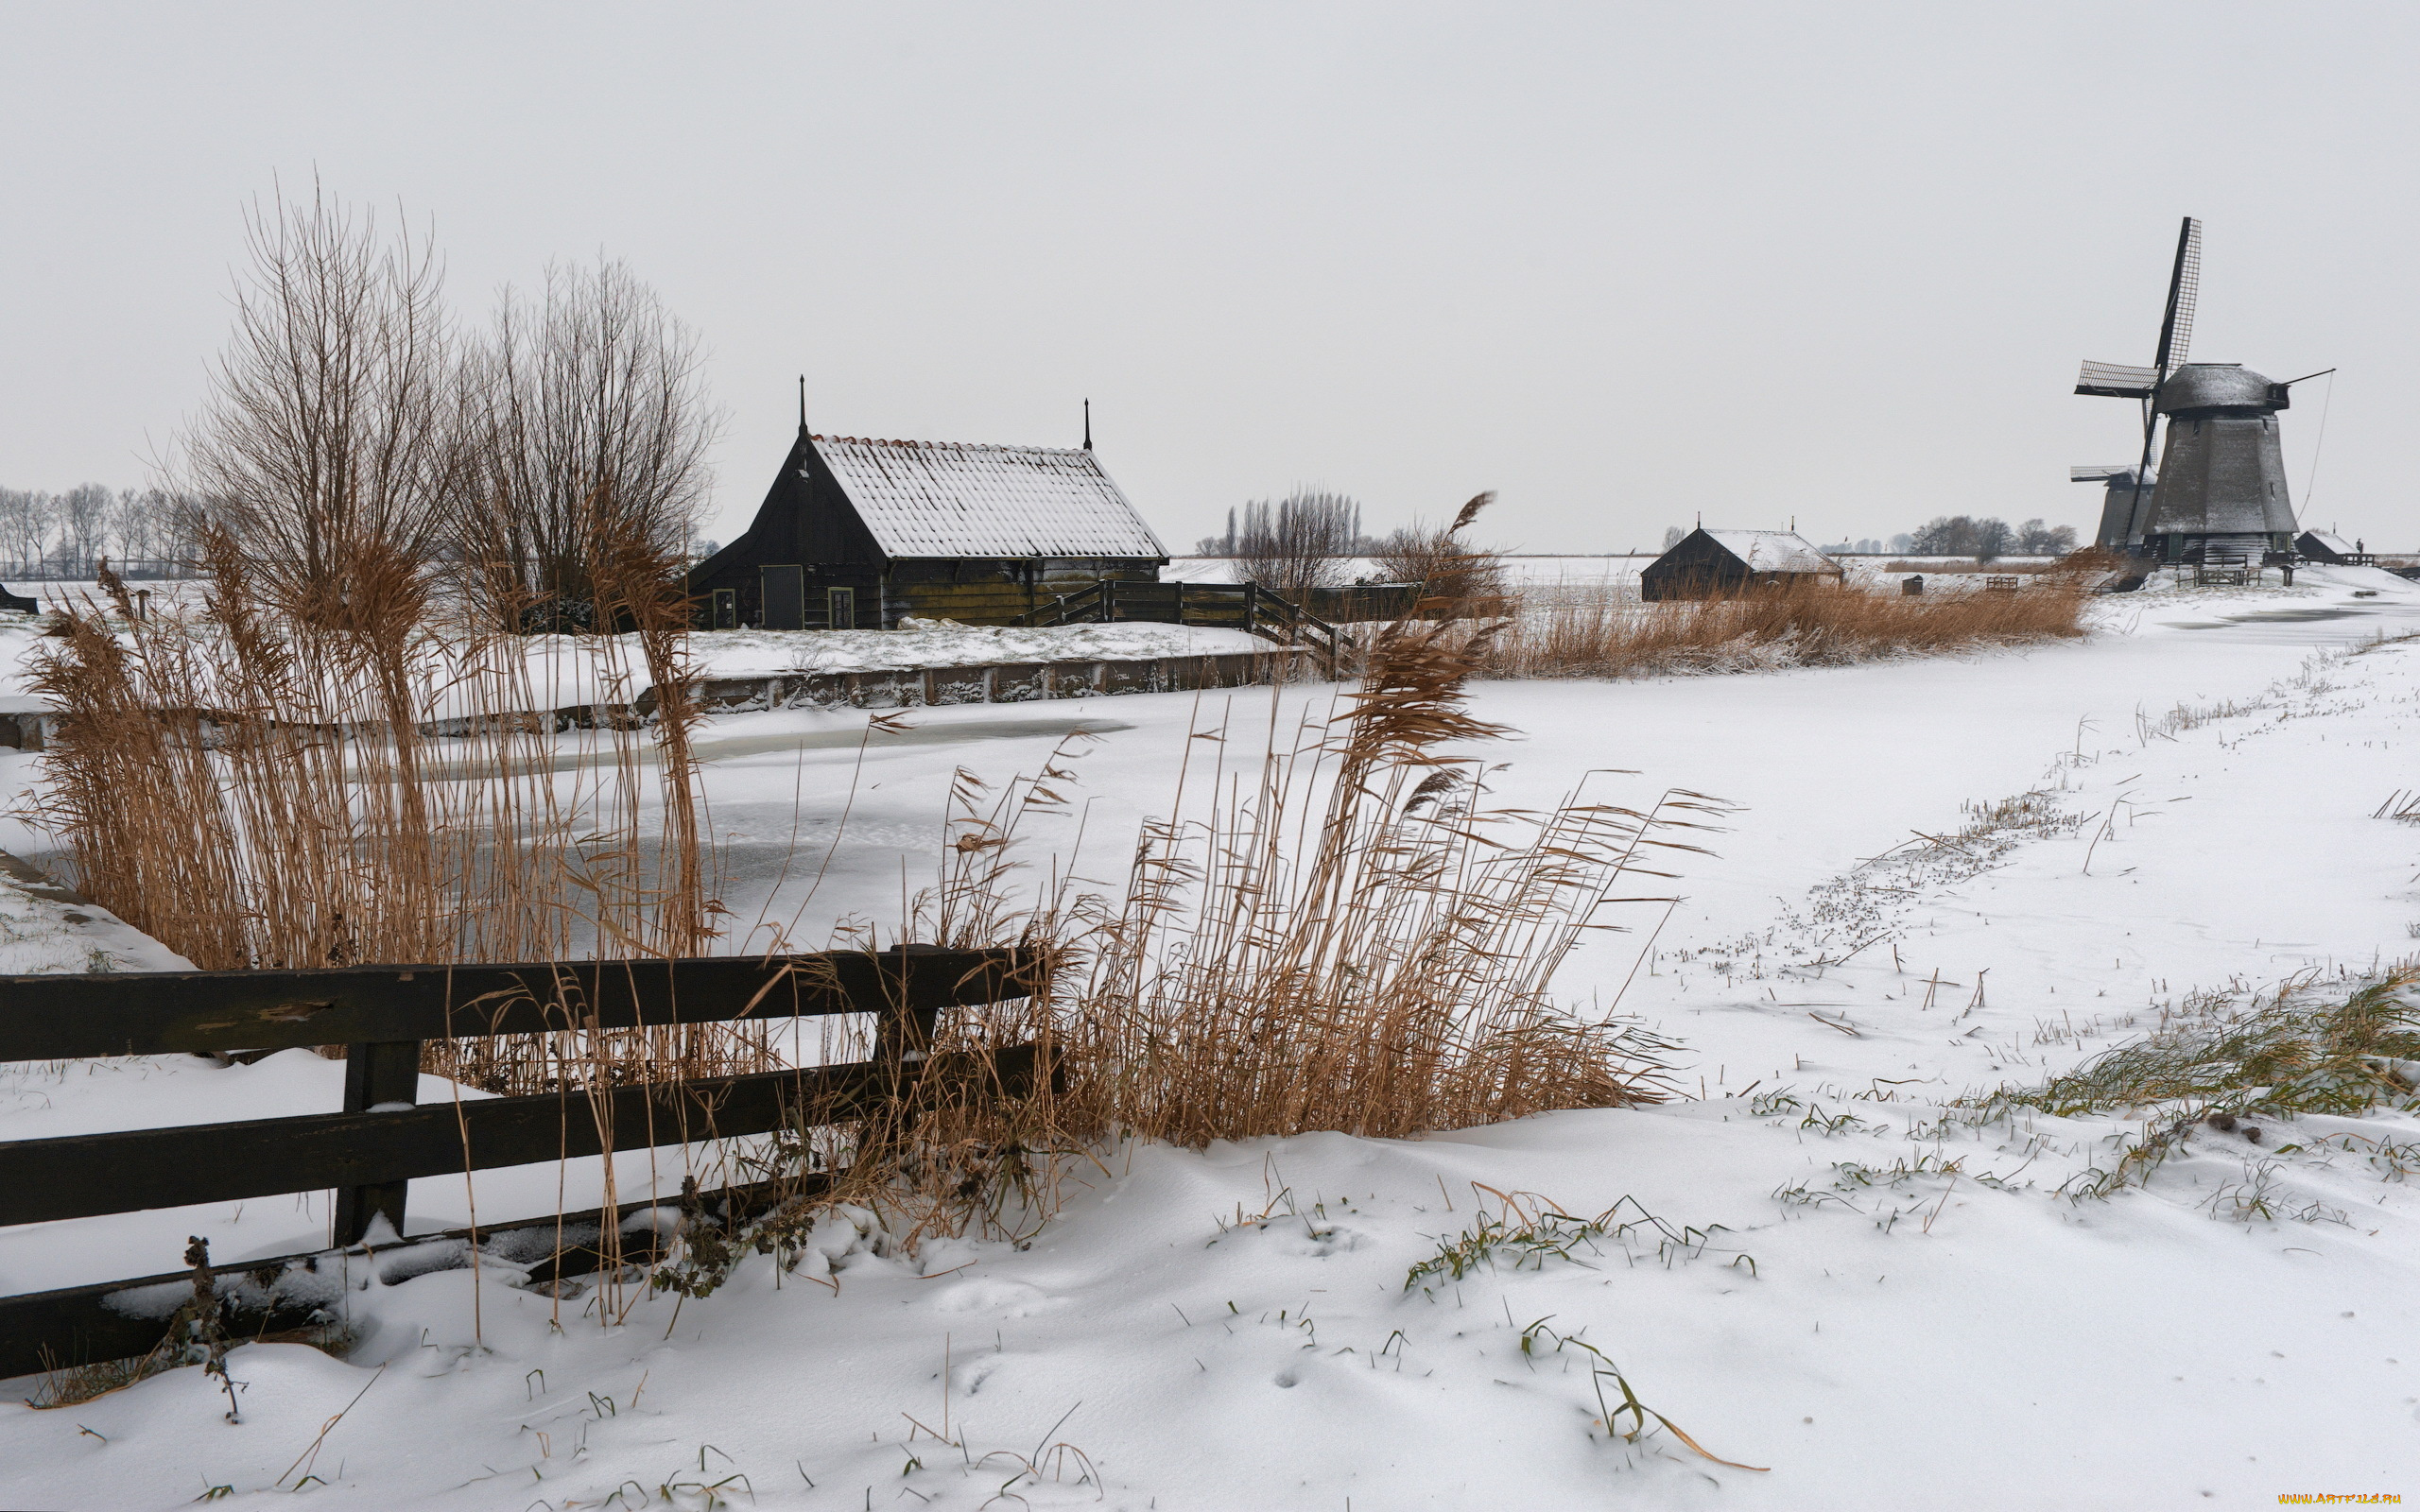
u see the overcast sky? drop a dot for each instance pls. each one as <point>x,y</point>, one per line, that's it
<point>1624,263</point>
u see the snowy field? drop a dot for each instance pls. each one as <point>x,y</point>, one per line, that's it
<point>1881,1303</point>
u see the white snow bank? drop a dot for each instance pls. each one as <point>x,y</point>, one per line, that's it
<point>945,644</point>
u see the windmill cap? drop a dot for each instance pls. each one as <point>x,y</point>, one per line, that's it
<point>2217,386</point>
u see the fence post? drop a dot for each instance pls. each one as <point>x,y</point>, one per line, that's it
<point>1252,606</point>
<point>375,1075</point>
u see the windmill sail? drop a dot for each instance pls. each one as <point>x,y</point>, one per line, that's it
<point>2117,380</point>
<point>2183,289</point>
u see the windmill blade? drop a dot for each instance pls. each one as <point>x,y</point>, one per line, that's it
<point>2102,472</point>
<point>2183,289</point>
<point>2117,380</point>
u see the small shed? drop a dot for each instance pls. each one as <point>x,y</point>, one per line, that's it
<point>857,534</point>
<point>1718,563</point>
<point>2326,546</point>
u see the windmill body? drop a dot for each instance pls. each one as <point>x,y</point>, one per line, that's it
<point>2127,486</point>
<point>2221,490</point>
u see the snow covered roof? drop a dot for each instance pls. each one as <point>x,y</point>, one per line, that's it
<point>944,499</point>
<point>1773,551</point>
<point>2331,541</point>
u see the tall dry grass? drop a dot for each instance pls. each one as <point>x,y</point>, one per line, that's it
<point>258,792</point>
<point>344,753</point>
<point>1334,930</point>
<point>1608,634</point>
<point>1343,933</point>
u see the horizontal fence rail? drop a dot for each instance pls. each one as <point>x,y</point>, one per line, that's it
<point>84,1175</point>
<point>157,1013</point>
<point>370,1151</point>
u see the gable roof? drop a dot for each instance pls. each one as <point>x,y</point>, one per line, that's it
<point>1773,551</point>
<point>945,499</point>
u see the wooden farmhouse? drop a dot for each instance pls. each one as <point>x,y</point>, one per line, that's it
<point>858,534</point>
<point>1720,563</point>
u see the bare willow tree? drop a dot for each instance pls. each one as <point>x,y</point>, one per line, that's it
<point>1455,578</point>
<point>588,428</point>
<point>1302,541</point>
<point>325,447</point>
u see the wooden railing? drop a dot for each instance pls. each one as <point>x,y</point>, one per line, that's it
<point>1247,607</point>
<point>370,1150</point>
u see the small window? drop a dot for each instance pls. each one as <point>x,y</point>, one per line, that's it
<point>726,608</point>
<point>842,605</point>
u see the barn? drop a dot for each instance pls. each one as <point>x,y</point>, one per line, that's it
<point>1715,564</point>
<point>858,534</point>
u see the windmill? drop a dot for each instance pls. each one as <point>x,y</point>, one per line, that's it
<point>2126,483</point>
<point>2220,492</point>
<point>2117,380</point>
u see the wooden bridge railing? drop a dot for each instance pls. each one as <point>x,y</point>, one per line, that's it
<point>370,1151</point>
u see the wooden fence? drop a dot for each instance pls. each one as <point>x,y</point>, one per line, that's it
<point>370,1151</point>
<point>32,729</point>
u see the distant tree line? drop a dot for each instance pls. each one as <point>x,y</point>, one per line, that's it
<point>145,531</point>
<point>1961,535</point>
<point>1952,536</point>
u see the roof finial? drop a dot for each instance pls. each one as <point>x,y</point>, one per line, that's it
<point>1088,424</point>
<point>801,402</point>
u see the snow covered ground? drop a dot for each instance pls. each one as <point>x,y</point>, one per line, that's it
<point>1879,1301</point>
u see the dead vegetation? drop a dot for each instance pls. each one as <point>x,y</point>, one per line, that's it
<point>1610,635</point>
<point>1342,933</point>
<point>281,774</point>
<point>2215,1060</point>
<point>1336,931</point>
<point>1455,580</point>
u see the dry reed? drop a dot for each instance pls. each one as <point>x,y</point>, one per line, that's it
<point>262,793</point>
<point>1343,935</point>
<point>1607,635</point>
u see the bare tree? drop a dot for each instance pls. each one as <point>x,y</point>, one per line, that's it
<point>84,520</point>
<point>324,446</point>
<point>2034,539</point>
<point>589,424</point>
<point>1455,578</point>
<point>1300,543</point>
<point>25,524</point>
<point>135,526</point>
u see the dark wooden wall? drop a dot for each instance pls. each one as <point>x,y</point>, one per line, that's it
<point>806,518</point>
<point>1698,567</point>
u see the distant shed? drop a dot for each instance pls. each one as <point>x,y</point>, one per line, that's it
<point>1715,564</point>
<point>2325,546</point>
<point>854,534</point>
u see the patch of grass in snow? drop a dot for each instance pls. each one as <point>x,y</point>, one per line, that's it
<point>2213,1063</point>
<point>1609,1416</point>
<point>1527,1230</point>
